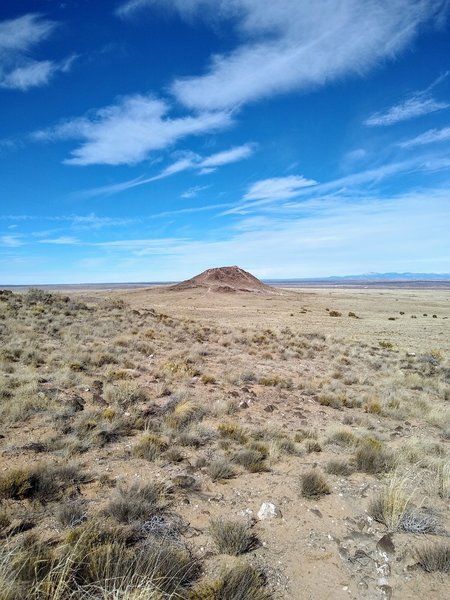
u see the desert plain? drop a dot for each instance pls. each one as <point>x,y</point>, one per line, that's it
<point>224,444</point>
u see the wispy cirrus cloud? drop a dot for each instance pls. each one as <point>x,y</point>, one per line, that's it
<point>128,131</point>
<point>338,236</point>
<point>428,137</point>
<point>74,221</point>
<point>272,190</point>
<point>18,38</point>
<point>11,241</point>
<point>194,191</point>
<point>278,188</point>
<point>190,161</point>
<point>409,109</point>
<point>416,105</point>
<point>63,240</point>
<point>289,44</point>
<point>268,193</point>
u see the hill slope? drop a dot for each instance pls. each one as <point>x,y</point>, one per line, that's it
<point>226,280</point>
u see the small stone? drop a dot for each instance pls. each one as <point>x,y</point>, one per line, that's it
<point>269,408</point>
<point>243,404</point>
<point>385,544</point>
<point>268,511</point>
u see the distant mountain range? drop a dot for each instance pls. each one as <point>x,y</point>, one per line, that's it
<point>416,280</point>
<point>367,277</point>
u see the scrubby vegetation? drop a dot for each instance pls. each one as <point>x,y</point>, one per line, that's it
<point>137,448</point>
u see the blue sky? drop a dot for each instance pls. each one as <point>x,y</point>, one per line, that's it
<point>148,140</point>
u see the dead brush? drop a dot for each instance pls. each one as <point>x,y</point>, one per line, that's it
<point>339,468</point>
<point>342,436</point>
<point>371,457</point>
<point>220,468</point>
<point>150,446</point>
<point>136,503</point>
<point>125,394</point>
<point>185,413</point>
<point>314,485</point>
<point>251,459</point>
<point>231,537</point>
<point>287,446</point>
<point>233,431</point>
<point>96,566</point>
<point>392,505</point>
<point>443,480</point>
<point>71,513</point>
<point>305,434</point>
<point>312,446</point>
<point>435,557</point>
<point>43,482</point>
<point>238,583</point>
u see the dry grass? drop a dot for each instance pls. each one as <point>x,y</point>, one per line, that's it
<point>434,557</point>
<point>231,537</point>
<point>314,485</point>
<point>178,419</point>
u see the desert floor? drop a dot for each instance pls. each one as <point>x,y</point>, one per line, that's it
<point>331,404</point>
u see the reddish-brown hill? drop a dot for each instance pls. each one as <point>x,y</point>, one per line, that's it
<point>226,280</point>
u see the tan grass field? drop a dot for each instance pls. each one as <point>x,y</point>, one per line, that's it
<point>142,430</point>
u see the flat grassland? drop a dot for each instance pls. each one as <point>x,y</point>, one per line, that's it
<point>142,430</point>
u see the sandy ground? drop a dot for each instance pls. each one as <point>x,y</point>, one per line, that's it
<point>318,549</point>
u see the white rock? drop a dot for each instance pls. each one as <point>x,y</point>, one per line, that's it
<point>269,511</point>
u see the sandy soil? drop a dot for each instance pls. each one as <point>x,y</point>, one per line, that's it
<point>317,549</point>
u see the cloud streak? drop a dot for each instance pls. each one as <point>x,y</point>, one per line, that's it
<point>10,241</point>
<point>64,240</point>
<point>409,109</point>
<point>429,137</point>
<point>190,161</point>
<point>278,188</point>
<point>269,192</point>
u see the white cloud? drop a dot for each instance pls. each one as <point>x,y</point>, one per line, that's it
<point>269,192</point>
<point>194,191</point>
<point>126,9</point>
<point>92,221</point>
<point>278,188</point>
<point>22,33</point>
<point>187,8</point>
<point>293,44</point>
<point>355,155</point>
<point>429,137</point>
<point>415,106</point>
<point>226,157</point>
<point>189,161</point>
<point>64,240</point>
<point>10,241</point>
<point>128,131</point>
<point>18,37</point>
<point>337,237</point>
